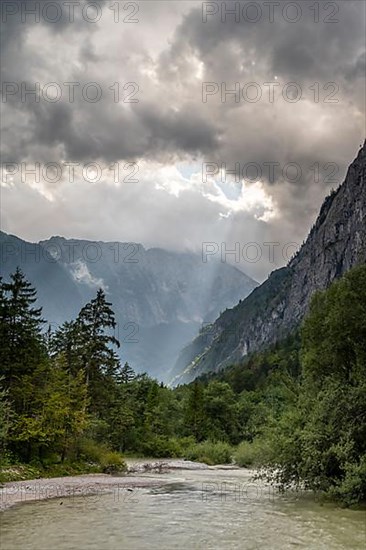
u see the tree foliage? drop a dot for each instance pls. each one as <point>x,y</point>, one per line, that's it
<point>321,441</point>
<point>299,408</point>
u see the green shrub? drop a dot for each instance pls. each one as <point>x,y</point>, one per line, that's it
<point>255,453</point>
<point>352,489</point>
<point>19,472</point>
<point>162,447</point>
<point>98,453</point>
<point>112,462</point>
<point>210,452</point>
<point>90,450</point>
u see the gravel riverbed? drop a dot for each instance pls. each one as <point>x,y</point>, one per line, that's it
<point>140,473</point>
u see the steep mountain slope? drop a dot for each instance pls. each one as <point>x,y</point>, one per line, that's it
<point>336,243</point>
<point>55,285</point>
<point>160,298</point>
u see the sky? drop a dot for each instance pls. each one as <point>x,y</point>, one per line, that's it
<point>215,127</point>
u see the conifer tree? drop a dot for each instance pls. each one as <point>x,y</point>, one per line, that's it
<point>68,341</point>
<point>98,359</point>
<point>93,322</point>
<point>20,327</point>
<point>126,374</point>
<point>194,415</point>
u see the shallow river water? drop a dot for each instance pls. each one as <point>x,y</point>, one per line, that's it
<point>199,509</point>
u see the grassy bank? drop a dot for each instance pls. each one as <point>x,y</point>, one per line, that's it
<point>88,458</point>
<point>94,458</point>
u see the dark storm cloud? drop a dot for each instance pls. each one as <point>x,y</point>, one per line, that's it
<point>106,130</point>
<point>357,69</point>
<point>184,130</point>
<point>303,52</point>
<point>304,49</point>
<point>169,54</point>
<point>111,134</point>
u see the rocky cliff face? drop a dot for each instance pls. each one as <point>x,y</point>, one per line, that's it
<point>160,298</point>
<point>336,243</point>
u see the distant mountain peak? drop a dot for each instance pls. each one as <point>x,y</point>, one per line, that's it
<point>160,297</point>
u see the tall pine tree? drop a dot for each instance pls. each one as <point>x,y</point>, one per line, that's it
<point>20,328</point>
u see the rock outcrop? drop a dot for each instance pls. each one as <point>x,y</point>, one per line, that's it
<point>336,243</point>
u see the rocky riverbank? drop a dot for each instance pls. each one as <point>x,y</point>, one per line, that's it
<point>140,474</point>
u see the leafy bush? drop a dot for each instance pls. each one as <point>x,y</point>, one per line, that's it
<point>162,447</point>
<point>112,462</point>
<point>90,450</point>
<point>97,453</point>
<point>254,453</point>
<point>19,472</point>
<point>210,452</point>
<point>352,489</point>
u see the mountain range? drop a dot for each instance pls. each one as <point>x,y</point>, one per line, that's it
<point>160,298</point>
<point>335,244</point>
<point>163,299</point>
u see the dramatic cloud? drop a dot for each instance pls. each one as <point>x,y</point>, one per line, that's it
<point>225,127</point>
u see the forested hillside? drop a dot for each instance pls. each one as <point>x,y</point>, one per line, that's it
<point>299,409</point>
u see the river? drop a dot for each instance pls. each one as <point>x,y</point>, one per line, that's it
<point>195,509</point>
